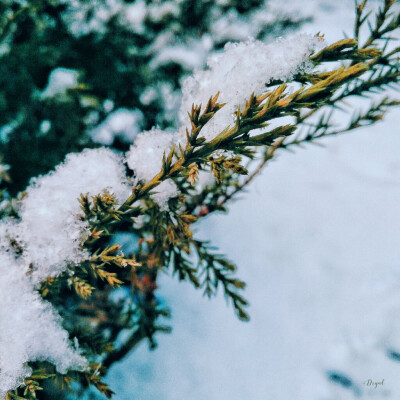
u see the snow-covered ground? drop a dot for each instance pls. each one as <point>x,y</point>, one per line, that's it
<point>317,240</point>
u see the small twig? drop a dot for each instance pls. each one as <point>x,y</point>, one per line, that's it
<point>269,154</point>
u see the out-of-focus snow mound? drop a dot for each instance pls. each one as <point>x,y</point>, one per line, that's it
<point>316,238</point>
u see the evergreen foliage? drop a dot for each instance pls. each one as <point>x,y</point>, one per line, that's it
<point>107,299</point>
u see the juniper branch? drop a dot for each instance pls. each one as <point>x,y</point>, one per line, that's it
<point>368,69</point>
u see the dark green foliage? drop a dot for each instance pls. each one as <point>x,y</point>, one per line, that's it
<point>113,66</point>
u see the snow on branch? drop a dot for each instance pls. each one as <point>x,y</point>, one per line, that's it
<point>63,214</point>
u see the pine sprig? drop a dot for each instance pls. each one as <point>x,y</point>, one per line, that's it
<point>214,270</point>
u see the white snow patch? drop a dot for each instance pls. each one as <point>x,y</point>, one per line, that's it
<point>135,15</point>
<point>30,329</point>
<point>122,123</point>
<point>50,232</point>
<point>242,69</point>
<point>157,12</point>
<point>60,80</point>
<point>190,56</point>
<point>145,155</point>
<point>145,159</point>
<point>50,229</point>
<point>163,192</point>
<point>83,18</point>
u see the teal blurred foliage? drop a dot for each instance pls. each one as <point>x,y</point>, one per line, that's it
<point>116,60</point>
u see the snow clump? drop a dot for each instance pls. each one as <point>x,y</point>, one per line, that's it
<point>30,329</point>
<point>122,124</point>
<point>50,232</point>
<point>145,155</point>
<point>145,159</point>
<point>244,68</point>
<point>60,80</point>
<point>50,229</point>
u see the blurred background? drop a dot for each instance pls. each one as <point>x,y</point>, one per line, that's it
<point>322,264</point>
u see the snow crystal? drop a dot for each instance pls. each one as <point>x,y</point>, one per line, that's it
<point>163,192</point>
<point>60,80</point>
<point>242,69</point>
<point>50,228</point>
<point>145,159</point>
<point>145,155</point>
<point>30,329</point>
<point>205,178</point>
<point>171,100</point>
<point>122,123</point>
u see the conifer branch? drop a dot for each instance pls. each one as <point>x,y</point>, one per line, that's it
<point>165,236</point>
